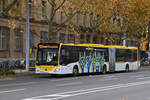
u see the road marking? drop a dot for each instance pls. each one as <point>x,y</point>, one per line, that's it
<point>141,72</point>
<point>64,79</point>
<point>136,76</point>
<point>109,79</point>
<point>110,76</point>
<point>67,84</point>
<point>141,78</point>
<point>12,90</point>
<point>16,84</point>
<point>86,91</point>
<point>97,75</point>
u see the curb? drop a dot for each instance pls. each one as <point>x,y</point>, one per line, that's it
<point>144,68</point>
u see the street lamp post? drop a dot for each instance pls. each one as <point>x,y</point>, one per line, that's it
<point>148,32</point>
<point>27,37</point>
<point>124,35</point>
<point>124,39</point>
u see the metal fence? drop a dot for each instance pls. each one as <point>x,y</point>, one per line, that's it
<point>18,63</point>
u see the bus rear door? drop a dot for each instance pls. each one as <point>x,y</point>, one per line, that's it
<point>112,59</point>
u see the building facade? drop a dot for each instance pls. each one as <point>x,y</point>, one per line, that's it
<point>13,30</point>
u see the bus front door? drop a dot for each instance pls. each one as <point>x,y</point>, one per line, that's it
<point>112,59</point>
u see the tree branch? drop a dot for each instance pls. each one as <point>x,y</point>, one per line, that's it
<point>60,5</point>
<point>68,19</point>
<point>82,4</point>
<point>52,12</point>
<point>72,15</point>
<point>10,6</point>
<point>52,3</point>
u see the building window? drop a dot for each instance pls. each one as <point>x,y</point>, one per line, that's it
<point>18,4</point>
<point>62,37</point>
<point>3,5</point>
<point>102,40</point>
<point>84,20</point>
<point>54,37</point>
<point>4,38</point>
<point>44,37</point>
<point>95,40</point>
<point>117,42</point>
<point>88,38</point>
<point>91,20</point>
<point>43,9</point>
<point>32,39</point>
<point>77,19</point>
<point>107,42</point>
<point>82,38</point>
<point>71,38</point>
<point>18,40</point>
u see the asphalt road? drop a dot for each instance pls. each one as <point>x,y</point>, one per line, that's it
<point>112,86</point>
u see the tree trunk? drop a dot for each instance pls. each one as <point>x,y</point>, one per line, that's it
<point>51,19</point>
<point>92,36</point>
<point>49,31</point>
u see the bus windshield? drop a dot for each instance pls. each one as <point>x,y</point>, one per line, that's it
<point>47,56</point>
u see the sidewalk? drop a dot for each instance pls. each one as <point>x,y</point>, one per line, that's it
<point>18,73</point>
<point>144,68</point>
<point>22,73</point>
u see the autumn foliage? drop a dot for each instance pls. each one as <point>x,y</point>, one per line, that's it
<point>105,16</point>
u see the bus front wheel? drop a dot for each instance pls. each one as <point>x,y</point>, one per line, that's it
<point>75,71</point>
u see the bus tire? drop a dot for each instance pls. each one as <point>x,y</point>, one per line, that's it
<point>75,71</point>
<point>104,69</point>
<point>127,68</point>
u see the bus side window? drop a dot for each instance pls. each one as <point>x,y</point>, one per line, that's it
<point>133,55</point>
<point>97,54</point>
<point>67,53</point>
<point>106,57</point>
<point>87,53</point>
<point>82,54</point>
<point>119,55</point>
<point>39,57</point>
<point>72,53</point>
<point>63,53</point>
<point>76,53</point>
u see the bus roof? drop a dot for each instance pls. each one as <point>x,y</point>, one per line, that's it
<point>90,45</point>
<point>100,45</point>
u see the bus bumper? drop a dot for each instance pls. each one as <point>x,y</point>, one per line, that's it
<point>54,71</point>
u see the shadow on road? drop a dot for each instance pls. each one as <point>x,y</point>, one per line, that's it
<point>47,76</point>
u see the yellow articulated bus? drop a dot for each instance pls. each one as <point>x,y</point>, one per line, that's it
<point>59,58</point>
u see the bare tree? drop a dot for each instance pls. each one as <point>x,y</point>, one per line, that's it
<point>7,8</point>
<point>54,9</point>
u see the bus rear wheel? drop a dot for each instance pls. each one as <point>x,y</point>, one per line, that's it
<point>75,71</point>
<point>104,69</point>
<point>127,68</point>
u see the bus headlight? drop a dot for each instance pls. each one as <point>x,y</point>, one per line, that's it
<point>37,70</point>
<point>57,70</point>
